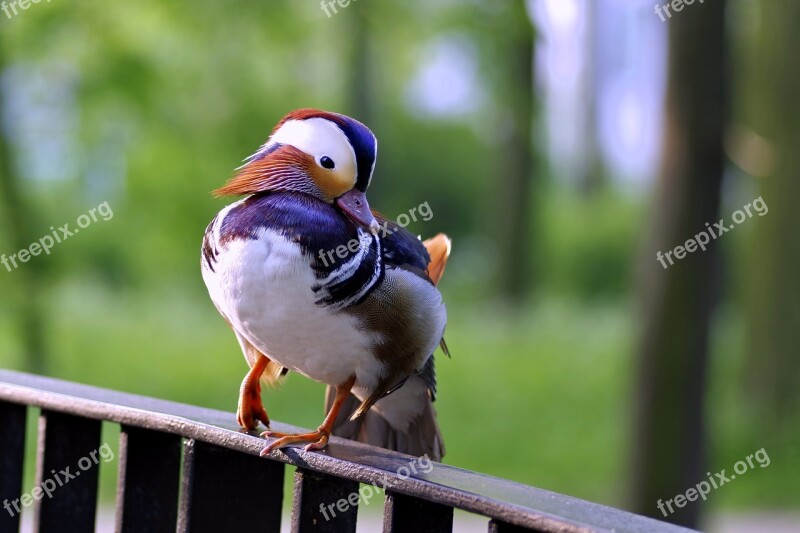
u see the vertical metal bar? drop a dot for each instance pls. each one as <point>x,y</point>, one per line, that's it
<point>12,457</point>
<point>148,482</point>
<point>224,490</point>
<point>66,474</point>
<point>323,503</point>
<point>406,514</point>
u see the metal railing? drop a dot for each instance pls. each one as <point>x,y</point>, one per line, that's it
<point>187,468</point>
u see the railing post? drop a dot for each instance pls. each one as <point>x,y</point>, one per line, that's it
<point>224,490</point>
<point>148,482</point>
<point>405,514</point>
<point>12,458</point>
<point>66,474</point>
<point>323,504</point>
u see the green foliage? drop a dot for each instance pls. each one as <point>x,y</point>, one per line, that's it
<point>591,245</point>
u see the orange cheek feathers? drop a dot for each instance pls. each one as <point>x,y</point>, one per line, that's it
<point>331,183</point>
<point>286,168</point>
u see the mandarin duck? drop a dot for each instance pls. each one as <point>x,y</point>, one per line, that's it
<point>366,324</point>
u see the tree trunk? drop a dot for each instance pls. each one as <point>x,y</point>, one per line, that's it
<point>773,286</point>
<point>514,181</point>
<point>677,302</point>
<point>592,170</point>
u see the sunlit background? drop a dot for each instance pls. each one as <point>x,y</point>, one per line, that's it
<point>536,134</point>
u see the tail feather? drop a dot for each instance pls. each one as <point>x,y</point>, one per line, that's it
<point>439,249</point>
<point>388,424</point>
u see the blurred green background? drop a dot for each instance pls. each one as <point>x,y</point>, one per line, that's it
<point>536,133</point>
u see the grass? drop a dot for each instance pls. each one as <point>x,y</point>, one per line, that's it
<point>541,396</point>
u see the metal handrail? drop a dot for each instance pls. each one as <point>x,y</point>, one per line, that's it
<point>154,431</point>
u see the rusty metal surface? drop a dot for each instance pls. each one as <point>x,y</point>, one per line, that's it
<point>503,500</point>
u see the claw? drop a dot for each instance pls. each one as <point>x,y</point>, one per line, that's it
<point>319,445</point>
<point>250,410</point>
<point>249,414</point>
<point>317,439</point>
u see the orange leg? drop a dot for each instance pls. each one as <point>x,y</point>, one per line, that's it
<point>250,409</point>
<point>317,439</point>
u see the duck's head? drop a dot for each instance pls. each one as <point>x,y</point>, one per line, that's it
<point>327,155</point>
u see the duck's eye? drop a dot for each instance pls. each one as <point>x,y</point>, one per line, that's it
<point>327,162</point>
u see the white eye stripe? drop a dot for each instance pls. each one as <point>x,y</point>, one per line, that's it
<point>319,137</point>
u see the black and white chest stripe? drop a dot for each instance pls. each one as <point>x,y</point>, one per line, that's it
<point>351,282</point>
<point>315,227</point>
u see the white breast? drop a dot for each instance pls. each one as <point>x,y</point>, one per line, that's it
<point>263,287</point>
